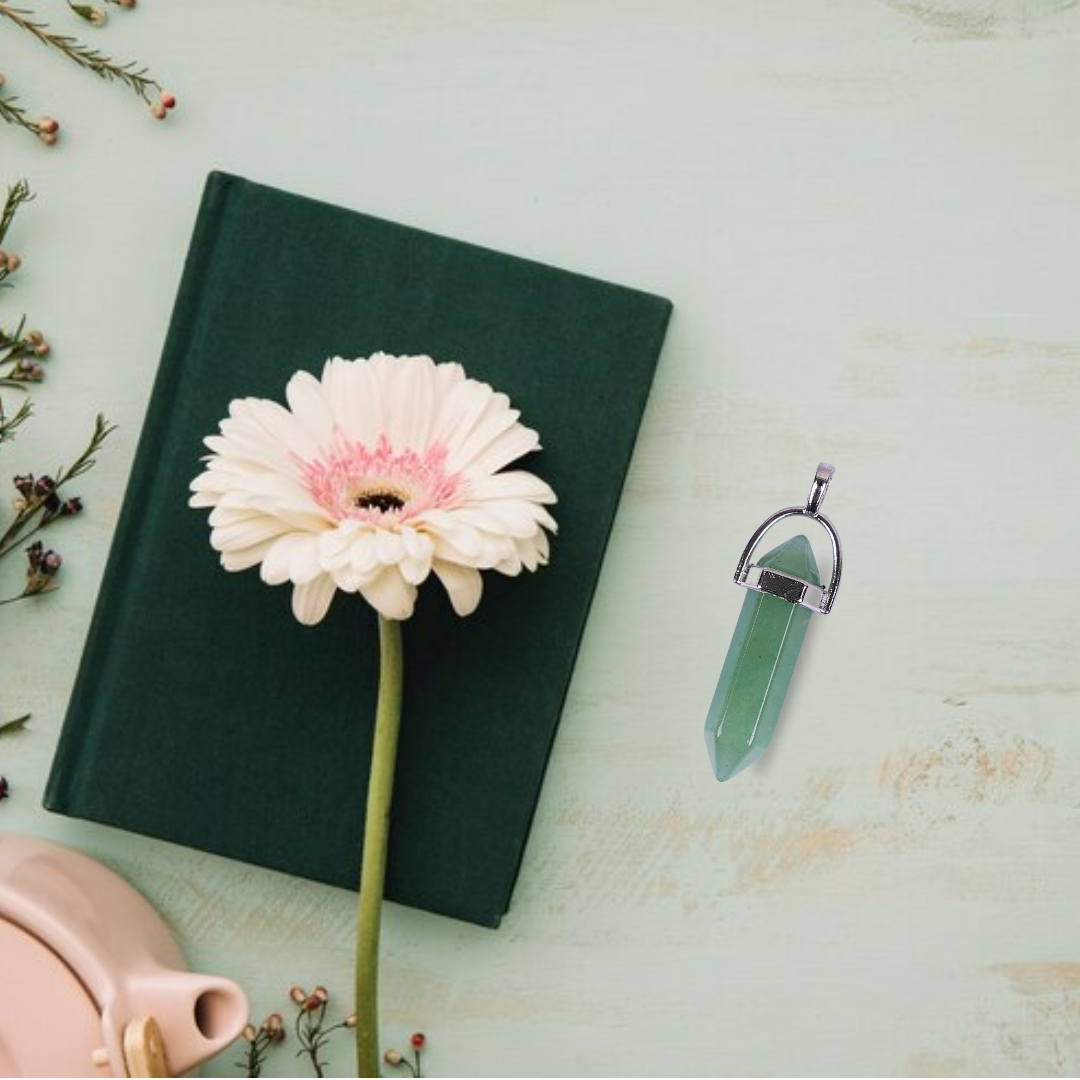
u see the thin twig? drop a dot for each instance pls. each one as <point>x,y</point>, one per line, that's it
<point>9,727</point>
<point>135,78</point>
<point>12,112</point>
<point>83,463</point>
<point>18,193</point>
<point>8,424</point>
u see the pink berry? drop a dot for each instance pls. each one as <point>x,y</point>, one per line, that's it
<point>168,100</point>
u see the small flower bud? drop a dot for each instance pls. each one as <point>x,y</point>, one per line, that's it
<point>249,1033</point>
<point>44,485</point>
<point>298,994</point>
<point>418,1040</point>
<point>42,349</point>
<point>159,111</point>
<point>24,484</point>
<point>51,562</point>
<point>312,1004</point>
<point>393,1057</point>
<point>350,1020</point>
<point>47,137</point>
<point>13,263</point>
<point>48,126</point>
<point>321,993</point>
<point>35,337</point>
<point>168,99</point>
<point>5,788</point>
<point>71,507</point>
<point>88,12</point>
<point>27,370</point>
<point>34,555</point>
<point>273,1022</point>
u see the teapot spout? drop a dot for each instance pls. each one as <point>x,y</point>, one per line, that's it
<point>198,1015</point>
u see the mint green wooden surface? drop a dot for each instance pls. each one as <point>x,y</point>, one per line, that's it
<point>868,216</point>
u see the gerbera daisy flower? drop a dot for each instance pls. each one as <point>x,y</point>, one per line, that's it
<point>381,472</point>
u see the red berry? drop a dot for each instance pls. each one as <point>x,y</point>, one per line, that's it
<point>168,100</point>
<point>418,1040</point>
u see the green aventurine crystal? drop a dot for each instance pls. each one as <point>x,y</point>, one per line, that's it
<point>760,660</point>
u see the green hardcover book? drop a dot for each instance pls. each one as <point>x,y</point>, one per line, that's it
<point>203,713</point>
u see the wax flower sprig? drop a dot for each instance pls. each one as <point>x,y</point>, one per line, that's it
<point>311,1029</point>
<point>381,473</point>
<point>39,500</point>
<point>130,74</point>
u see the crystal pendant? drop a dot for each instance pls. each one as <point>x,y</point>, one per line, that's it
<point>759,665</point>
<point>785,591</point>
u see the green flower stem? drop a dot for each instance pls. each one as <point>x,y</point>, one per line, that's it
<point>376,832</point>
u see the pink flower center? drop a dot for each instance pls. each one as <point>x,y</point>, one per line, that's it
<point>380,485</point>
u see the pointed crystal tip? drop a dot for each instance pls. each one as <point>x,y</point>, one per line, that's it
<point>794,556</point>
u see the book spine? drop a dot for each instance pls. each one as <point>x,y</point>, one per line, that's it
<point>119,586</point>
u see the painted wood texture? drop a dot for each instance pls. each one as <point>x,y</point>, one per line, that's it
<point>868,216</point>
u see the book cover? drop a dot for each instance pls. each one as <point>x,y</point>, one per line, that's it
<point>203,713</point>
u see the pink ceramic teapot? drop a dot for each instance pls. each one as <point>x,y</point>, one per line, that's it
<point>91,981</point>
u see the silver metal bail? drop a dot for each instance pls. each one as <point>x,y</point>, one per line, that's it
<point>787,587</point>
<point>820,486</point>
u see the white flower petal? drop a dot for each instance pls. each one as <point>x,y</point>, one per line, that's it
<point>448,528</point>
<point>511,485</point>
<point>507,447</point>
<point>463,584</point>
<point>311,601</point>
<point>335,544</point>
<point>388,547</point>
<point>390,594</point>
<point>363,556</point>
<point>494,422</point>
<point>277,563</point>
<point>515,518</point>
<point>355,399</point>
<point>415,571</point>
<point>293,557</point>
<point>245,558</point>
<point>245,532</point>
<point>309,406</point>
<point>411,402</point>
